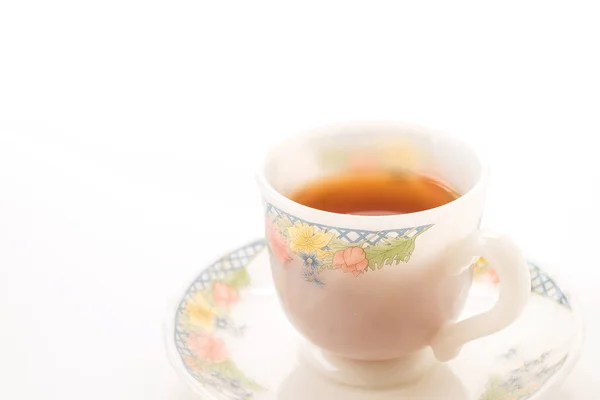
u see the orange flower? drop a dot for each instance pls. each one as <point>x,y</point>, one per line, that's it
<point>277,243</point>
<point>207,348</point>
<point>224,295</point>
<point>352,259</point>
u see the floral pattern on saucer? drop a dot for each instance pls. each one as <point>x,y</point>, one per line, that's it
<point>322,247</point>
<point>203,320</point>
<point>206,337</point>
<point>523,382</point>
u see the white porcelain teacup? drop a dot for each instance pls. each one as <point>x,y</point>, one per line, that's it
<point>357,306</point>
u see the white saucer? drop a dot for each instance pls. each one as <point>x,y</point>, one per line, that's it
<point>227,338</point>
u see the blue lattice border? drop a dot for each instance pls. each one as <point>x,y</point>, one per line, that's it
<point>545,286</point>
<point>348,234</point>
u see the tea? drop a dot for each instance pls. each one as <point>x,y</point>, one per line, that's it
<point>374,193</point>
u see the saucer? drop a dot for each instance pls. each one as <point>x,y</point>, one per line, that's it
<point>228,338</point>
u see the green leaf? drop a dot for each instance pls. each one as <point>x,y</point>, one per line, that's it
<point>230,370</point>
<point>283,223</point>
<point>388,251</point>
<point>237,279</point>
<point>324,266</point>
<point>337,244</point>
<point>494,390</point>
<point>244,380</point>
<point>224,368</point>
<point>398,249</point>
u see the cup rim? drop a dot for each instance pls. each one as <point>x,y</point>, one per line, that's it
<point>288,204</point>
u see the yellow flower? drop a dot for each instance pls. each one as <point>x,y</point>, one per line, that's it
<point>480,265</point>
<point>481,262</point>
<point>200,312</point>
<point>303,237</point>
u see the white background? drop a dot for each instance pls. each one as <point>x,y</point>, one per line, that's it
<point>130,131</point>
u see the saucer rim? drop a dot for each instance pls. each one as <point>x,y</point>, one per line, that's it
<point>554,382</point>
<point>578,341</point>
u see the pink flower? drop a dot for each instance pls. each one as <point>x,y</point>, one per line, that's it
<point>278,243</point>
<point>224,295</point>
<point>207,348</point>
<point>493,276</point>
<point>484,271</point>
<point>352,259</point>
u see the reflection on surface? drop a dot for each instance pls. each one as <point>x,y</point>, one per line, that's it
<point>303,383</point>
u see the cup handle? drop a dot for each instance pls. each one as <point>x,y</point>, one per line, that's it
<point>510,264</point>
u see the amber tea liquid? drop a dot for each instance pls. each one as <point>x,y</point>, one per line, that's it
<point>374,193</point>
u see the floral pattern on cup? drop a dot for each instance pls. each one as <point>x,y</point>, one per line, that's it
<point>278,243</point>
<point>204,321</point>
<point>351,259</point>
<point>523,382</point>
<point>322,247</point>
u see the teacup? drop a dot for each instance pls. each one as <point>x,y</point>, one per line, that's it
<point>412,299</point>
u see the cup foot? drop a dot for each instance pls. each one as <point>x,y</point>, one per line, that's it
<point>369,374</point>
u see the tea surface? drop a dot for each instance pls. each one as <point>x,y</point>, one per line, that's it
<point>374,193</point>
